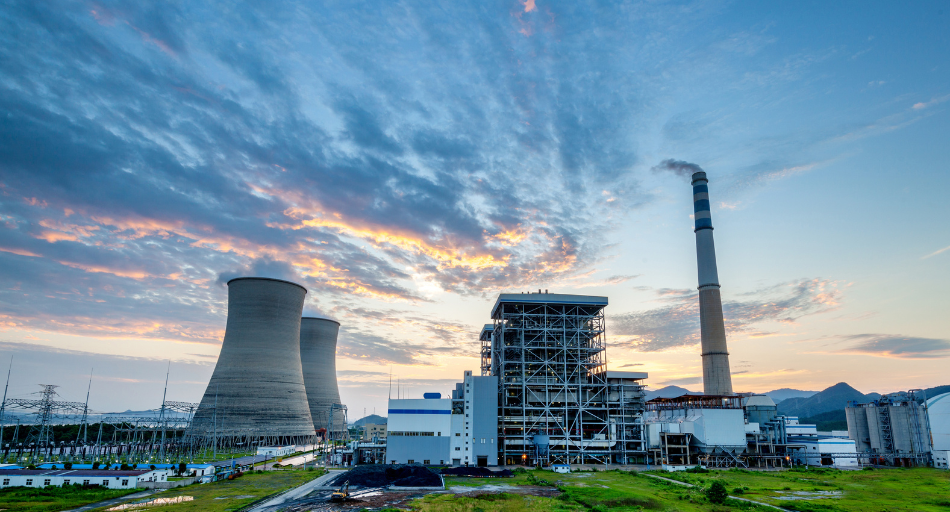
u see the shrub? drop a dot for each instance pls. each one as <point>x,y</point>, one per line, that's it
<point>152,467</point>
<point>68,465</point>
<point>125,467</point>
<point>717,493</point>
<point>697,469</point>
<point>95,465</point>
<point>738,490</point>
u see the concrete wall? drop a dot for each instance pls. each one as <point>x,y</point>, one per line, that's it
<point>318,356</point>
<point>481,403</point>
<point>258,381</point>
<point>402,449</point>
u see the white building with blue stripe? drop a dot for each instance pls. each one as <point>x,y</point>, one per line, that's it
<point>420,430</point>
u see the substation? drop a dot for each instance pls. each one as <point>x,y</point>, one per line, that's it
<point>544,396</point>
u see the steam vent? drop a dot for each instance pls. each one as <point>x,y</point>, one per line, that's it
<point>318,355</point>
<point>717,379</point>
<point>257,388</point>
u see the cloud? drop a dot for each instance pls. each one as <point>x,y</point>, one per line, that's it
<point>677,167</point>
<point>676,322</point>
<point>630,365</point>
<point>896,346</point>
<point>684,381</point>
<point>938,251</point>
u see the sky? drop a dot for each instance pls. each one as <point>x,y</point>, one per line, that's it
<point>408,161</point>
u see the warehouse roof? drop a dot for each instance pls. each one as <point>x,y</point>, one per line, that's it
<point>72,472</point>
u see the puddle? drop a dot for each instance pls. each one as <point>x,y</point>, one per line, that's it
<point>807,495</point>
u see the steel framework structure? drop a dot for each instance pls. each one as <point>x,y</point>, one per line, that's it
<point>549,356</point>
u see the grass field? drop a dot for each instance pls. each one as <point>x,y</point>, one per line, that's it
<point>26,499</point>
<point>233,494</point>
<point>922,490</point>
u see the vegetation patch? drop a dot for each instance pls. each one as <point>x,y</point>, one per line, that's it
<point>31,499</point>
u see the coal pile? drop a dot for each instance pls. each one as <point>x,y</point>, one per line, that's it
<point>382,475</point>
<point>477,472</point>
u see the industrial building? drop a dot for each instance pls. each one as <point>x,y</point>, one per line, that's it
<point>460,430</point>
<point>257,392</point>
<point>40,478</point>
<point>318,338</point>
<point>696,429</point>
<point>891,430</point>
<point>556,401</point>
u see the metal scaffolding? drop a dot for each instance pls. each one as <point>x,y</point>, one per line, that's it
<point>548,352</point>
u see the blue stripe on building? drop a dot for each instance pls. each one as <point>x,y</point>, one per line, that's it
<point>700,188</point>
<point>701,205</point>
<point>703,223</point>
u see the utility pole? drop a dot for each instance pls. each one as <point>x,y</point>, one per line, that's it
<point>3,404</point>
<point>83,426</point>
<point>161,415</point>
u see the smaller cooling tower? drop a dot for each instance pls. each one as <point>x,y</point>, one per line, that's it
<point>318,356</point>
<point>257,388</point>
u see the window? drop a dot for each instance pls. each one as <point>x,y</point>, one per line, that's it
<point>425,461</point>
<point>483,440</point>
<point>66,482</point>
<point>410,461</point>
<point>45,482</point>
<point>29,481</point>
<point>105,483</point>
<point>125,482</point>
<point>442,462</point>
<point>466,415</point>
<point>393,462</point>
<point>458,434</point>
<point>458,449</point>
<point>493,440</point>
<point>85,482</point>
<point>6,481</point>
<point>440,434</point>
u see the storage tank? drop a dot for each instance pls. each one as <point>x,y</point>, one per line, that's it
<point>257,388</point>
<point>938,410</point>
<point>318,355</point>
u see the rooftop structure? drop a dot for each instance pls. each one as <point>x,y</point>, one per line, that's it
<point>717,379</point>
<point>257,391</point>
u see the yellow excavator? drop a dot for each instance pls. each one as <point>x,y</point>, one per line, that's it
<point>342,493</point>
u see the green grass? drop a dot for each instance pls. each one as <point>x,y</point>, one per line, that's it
<point>919,489</point>
<point>501,502</point>
<point>924,490</point>
<point>255,485</point>
<point>28,499</point>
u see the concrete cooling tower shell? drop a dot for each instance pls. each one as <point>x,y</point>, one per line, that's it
<point>318,356</point>
<point>257,387</point>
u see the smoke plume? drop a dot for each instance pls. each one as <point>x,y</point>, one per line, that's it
<point>677,167</point>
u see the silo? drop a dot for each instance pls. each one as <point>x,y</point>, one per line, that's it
<point>257,388</point>
<point>318,356</point>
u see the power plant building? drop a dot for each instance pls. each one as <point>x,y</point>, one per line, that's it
<point>938,414</point>
<point>717,379</point>
<point>555,396</point>
<point>460,430</point>
<point>257,391</point>
<point>318,337</point>
<point>893,429</point>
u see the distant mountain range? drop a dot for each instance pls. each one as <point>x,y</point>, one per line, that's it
<point>785,393</point>
<point>669,392</point>
<point>832,399</point>
<point>372,418</point>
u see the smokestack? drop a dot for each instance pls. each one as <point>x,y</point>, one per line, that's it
<point>717,379</point>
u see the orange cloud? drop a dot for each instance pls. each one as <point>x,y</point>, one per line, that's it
<point>19,252</point>
<point>529,5</point>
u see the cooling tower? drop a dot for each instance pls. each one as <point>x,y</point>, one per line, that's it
<point>257,388</point>
<point>716,377</point>
<point>318,356</point>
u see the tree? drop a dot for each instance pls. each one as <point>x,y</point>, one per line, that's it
<point>717,493</point>
<point>182,467</point>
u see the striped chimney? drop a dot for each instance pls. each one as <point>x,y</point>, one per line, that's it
<point>717,379</point>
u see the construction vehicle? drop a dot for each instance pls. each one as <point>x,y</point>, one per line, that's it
<point>342,493</point>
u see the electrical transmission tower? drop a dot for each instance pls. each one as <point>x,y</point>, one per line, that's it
<point>47,408</point>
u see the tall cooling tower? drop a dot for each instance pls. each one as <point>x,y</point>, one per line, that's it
<point>257,388</point>
<point>717,379</point>
<point>318,356</point>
